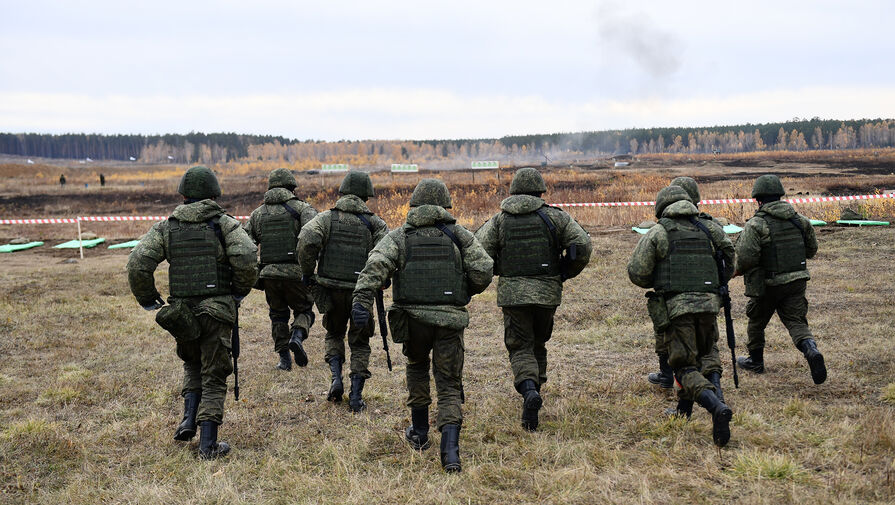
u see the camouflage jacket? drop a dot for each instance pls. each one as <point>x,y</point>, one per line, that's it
<point>653,248</point>
<point>273,201</point>
<point>390,254</point>
<point>756,236</point>
<point>314,236</point>
<point>544,290</point>
<point>241,254</point>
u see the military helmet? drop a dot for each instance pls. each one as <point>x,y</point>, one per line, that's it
<point>431,192</point>
<point>527,180</point>
<point>767,185</point>
<point>357,184</point>
<point>199,183</point>
<point>689,186</point>
<point>669,195</point>
<point>281,178</point>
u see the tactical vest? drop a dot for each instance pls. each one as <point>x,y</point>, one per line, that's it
<point>528,245</point>
<point>433,271</point>
<point>786,252</point>
<point>345,253</point>
<point>690,265</point>
<point>279,235</point>
<point>194,269</point>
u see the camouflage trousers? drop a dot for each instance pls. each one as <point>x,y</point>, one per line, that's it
<point>711,362</point>
<point>691,338</point>
<point>526,330</point>
<point>337,320</point>
<point>789,302</point>
<point>282,295</point>
<point>446,348</point>
<point>206,365</point>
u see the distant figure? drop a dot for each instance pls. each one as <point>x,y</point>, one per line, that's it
<point>102,180</point>
<point>62,180</point>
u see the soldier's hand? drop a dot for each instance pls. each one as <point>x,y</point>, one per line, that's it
<point>359,315</point>
<point>308,280</point>
<point>155,305</point>
<point>238,299</point>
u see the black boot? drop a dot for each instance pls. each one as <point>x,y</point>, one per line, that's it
<point>531,403</point>
<point>450,448</point>
<point>285,360</point>
<point>755,361</point>
<point>665,376</point>
<point>417,434</point>
<point>187,429</point>
<point>721,415</point>
<point>336,389</point>
<point>298,336</point>
<point>815,360</point>
<point>715,379</point>
<point>209,447</point>
<point>355,402</point>
<point>684,408</point>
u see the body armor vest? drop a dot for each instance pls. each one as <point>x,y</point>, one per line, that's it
<point>279,236</point>
<point>193,258</point>
<point>527,246</point>
<point>346,250</point>
<point>786,253</point>
<point>433,271</point>
<point>690,265</point>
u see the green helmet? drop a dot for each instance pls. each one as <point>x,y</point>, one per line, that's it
<point>767,185</point>
<point>527,180</point>
<point>689,186</point>
<point>199,183</point>
<point>357,184</point>
<point>669,195</point>
<point>281,178</point>
<point>431,192</point>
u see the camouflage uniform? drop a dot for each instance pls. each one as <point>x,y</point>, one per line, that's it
<point>281,280</point>
<point>692,329</point>
<point>428,328</point>
<point>529,301</point>
<point>206,361</point>
<point>334,296</point>
<point>783,292</point>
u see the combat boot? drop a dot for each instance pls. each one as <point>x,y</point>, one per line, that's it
<point>355,402</point>
<point>209,447</point>
<point>417,434</point>
<point>683,409</point>
<point>815,360</point>
<point>721,415</point>
<point>715,379</point>
<point>285,360</point>
<point>531,403</point>
<point>336,389</point>
<point>755,361</point>
<point>450,448</point>
<point>187,429</point>
<point>295,344</point>
<point>665,376</point>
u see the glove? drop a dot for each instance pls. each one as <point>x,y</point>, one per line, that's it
<point>155,305</point>
<point>238,299</point>
<point>359,315</point>
<point>308,280</point>
<point>388,284</point>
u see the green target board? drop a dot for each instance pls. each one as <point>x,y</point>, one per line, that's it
<point>334,167</point>
<point>405,167</point>
<point>485,164</point>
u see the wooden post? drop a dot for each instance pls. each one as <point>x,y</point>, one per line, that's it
<point>473,177</point>
<point>80,241</point>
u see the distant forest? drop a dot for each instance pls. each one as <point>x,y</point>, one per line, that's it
<point>796,135</point>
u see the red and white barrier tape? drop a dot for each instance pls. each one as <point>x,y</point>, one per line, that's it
<point>63,220</point>
<point>816,199</point>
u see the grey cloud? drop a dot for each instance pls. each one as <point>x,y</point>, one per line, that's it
<point>632,35</point>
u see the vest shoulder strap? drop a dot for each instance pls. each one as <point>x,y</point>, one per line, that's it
<point>447,231</point>
<point>296,214</point>
<point>549,222</point>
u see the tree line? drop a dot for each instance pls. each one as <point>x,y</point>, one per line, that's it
<point>796,135</point>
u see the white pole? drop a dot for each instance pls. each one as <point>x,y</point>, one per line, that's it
<point>80,242</point>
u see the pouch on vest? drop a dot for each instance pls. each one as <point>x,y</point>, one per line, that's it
<point>754,280</point>
<point>179,321</point>
<point>345,253</point>
<point>278,237</point>
<point>528,245</point>
<point>658,311</point>
<point>397,322</point>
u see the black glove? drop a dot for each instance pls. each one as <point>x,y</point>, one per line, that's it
<point>155,305</point>
<point>388,284</point>
<point>238,299</point>
<point>308,280</point>
<point>359,315</point>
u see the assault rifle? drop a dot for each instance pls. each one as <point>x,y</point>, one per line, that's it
<point>566,259</point>
<point>234,351</point>
<point>383,327</point>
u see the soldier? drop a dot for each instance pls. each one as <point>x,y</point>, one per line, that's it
<point>677,259</point>
<point>711,363</point>
<point>772,253</point>
<point>526,240</point>
<point>438,265</point>
<point>212,267</point>
<point>342,238</point>
<point>62,180</point>
<point>274,226</point>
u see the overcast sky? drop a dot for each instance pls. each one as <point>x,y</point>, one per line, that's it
<point>410,69</point>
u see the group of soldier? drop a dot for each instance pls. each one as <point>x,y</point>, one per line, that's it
<point>341,259</point>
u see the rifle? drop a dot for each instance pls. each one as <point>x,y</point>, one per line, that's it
<point>383,327</point>
<point>566,259</point>
<point>234,351</point>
